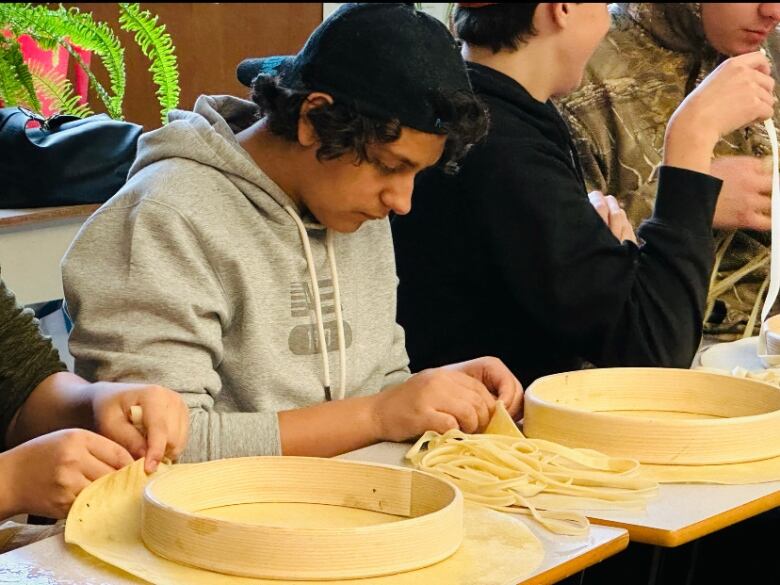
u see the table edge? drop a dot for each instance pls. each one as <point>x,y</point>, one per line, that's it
<point>674,538</point>
<point>578,563</point>
<point>21,217</point>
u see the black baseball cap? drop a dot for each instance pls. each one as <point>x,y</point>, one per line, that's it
<point>388,61</point>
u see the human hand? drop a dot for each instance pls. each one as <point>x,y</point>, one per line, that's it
<point>497,378</point>
<point>46,474</point>
<point>440,399</point>
<point>738,92</point>
<point>613,215</point>
<point>745,198</point>
<point>165,419</point>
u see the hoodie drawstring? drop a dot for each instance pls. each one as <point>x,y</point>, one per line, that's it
<point>318,306</point>
<point>339,321</point>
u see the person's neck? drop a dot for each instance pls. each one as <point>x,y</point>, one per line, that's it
<point>276,156</point>
<point>533,66</point>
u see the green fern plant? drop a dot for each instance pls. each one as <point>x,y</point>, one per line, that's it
<point>157,45</point>
<point>68,27</point>
<point>59,90</point>
<point>16,84</point>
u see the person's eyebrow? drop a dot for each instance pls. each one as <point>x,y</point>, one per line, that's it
<point>403,160</point>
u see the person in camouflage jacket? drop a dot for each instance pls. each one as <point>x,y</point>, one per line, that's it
<point>652,58</point>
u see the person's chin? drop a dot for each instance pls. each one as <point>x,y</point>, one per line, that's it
<point>347,226</point>
<point>751,43</point>
<point>747,48</point>
<point>350,229</point>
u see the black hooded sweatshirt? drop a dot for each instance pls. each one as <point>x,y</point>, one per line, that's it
<point>508,257</point>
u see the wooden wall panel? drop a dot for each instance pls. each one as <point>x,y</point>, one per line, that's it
<point>210,40</point>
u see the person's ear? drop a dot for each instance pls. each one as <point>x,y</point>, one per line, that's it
<point>560,14</point>
<point>307,135</point>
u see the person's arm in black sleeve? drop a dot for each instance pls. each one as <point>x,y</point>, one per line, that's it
<point>612,303</point>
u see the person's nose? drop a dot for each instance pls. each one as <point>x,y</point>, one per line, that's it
<point>398,196</point>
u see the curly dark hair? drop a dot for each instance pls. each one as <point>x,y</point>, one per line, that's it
<point>500,26</point>
<point>341,129</point>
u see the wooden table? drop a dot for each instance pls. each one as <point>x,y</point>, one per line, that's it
<point>32,244</point>
<point>681,513</point>
<point>52,562</point>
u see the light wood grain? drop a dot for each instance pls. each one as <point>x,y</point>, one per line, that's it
<point>19,217</point>
<point>431,530</point>
<point>577,409</point>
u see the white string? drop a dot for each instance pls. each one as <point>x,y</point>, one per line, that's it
<point>316,293</point>
<point>774,265</point>
<point>339,320</point>
<point>549,482</point>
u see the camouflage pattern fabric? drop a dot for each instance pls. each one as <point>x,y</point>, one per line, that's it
<point>653,56</point>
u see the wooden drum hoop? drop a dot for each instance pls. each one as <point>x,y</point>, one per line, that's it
<point>431,531</point>
<point>587,409</point>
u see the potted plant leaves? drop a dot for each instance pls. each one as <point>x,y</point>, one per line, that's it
<point>73,156</point>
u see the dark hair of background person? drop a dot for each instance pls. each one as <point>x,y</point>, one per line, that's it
<point>499,26</point>
<point>341,129</point>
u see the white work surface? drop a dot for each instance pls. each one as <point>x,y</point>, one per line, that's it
<point>52,562</point>
<point>680,513</point>
<point>32,243</point>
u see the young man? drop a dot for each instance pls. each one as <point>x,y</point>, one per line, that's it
<point>511,259</point>
<point>246,259</point>
<point>48,460</point>
<point>654,56</point>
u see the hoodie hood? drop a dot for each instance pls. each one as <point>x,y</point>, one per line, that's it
<point>676,26</point>
<point>207,136</point>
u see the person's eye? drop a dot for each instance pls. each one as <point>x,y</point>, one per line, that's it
<point>385,169</point>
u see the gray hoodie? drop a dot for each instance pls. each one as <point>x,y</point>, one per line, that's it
<point>194,276</point>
